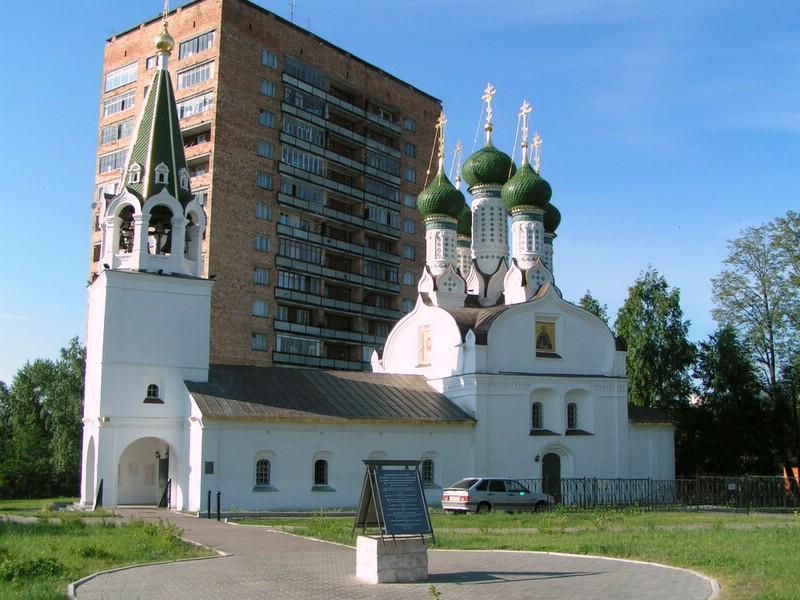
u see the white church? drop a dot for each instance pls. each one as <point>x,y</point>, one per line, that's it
<point>492,373</point>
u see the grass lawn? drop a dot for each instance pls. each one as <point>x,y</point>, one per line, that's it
<point>753,556</point>
<point>39,560</point>
<point>44,508</point>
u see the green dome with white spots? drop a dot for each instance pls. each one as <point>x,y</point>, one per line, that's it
<point>440,198</point>
<point>552,218</point>
<point>526,188</point>
<point>488,166</point>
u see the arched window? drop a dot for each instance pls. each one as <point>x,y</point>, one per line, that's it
<point>536,415</point>
<point>572,416</point>
<point>263,472</point>
<point>152,392</point>
<point>135,173</point>
<point>162,173</point>
<point>426,471</point>
<point>126,230</point>
<point>321,472</point>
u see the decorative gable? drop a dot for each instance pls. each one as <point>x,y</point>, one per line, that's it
<point>162,174</point>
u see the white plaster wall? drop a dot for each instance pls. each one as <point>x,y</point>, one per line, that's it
<point>293,447</point>
<point>401,350</point>
<point>652,451</point>
<point>585,344</point>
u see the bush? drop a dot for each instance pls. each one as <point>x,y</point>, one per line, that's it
<point>31,568</point>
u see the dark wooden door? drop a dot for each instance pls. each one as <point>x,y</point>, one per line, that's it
<point>551,475</point>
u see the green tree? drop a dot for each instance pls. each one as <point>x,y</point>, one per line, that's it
<point>590,303</point>
<point>659,354</point>
<point>731,394</point>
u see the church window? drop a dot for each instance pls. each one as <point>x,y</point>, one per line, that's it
<point>572,416</point>
<point>263,472</point>
<point>126,230</point>
<point>159,231</point>
<point>183,174</point>
<point>152,393</point>
<point>426,471</point>
<point>536,415</point>
<point>135,173</point>
<point>162,173</point>
<point>320,472</point>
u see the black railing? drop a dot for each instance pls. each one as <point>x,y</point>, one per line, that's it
<point>743,493</point>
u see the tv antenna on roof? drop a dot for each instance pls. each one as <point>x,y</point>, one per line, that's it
<point>291,10</point>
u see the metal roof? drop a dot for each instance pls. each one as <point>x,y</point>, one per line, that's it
<point>280,393</point>
<point>648,414</point>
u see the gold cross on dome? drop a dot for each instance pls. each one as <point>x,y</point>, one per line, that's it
<point>488,94</point>
<point>457,158</point>
<point>440,123</point>
<point>524,111</point>
<point>165,12</point>
<point>537,151</point>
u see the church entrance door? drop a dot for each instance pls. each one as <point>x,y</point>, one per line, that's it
<point>551,475</point>
<point>143,472</point>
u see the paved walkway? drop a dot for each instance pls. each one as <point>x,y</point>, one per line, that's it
<point>278,566</point>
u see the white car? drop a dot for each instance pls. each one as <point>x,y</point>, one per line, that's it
<point>483,494</point>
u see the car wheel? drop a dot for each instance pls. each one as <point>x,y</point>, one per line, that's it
<point>540,506</point>
<point>484,507</point>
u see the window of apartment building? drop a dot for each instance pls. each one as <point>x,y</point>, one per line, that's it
<point>298,282</point>
<point>96,253</point>
<point>195,105</point>
<point>268,88</point>
<point>409,124</point>
<point>119,103</point>
<point>410,174</point>
<point>260,276</point>
<point>266,118</point>
<point>109,189</point>
<point>378,328</point>
<point>259,342</point>
<point>410,201</point>
<point>306,73</point>
<point>409,226</point>
<point>303,160</point>
<point>204,41</point>
<point>383,162</point>
<point>201,196</point>
<point>259,308</point>
<point>411,149</point>
<point>379,271</point>
<point>265,149</point>
<point>378,214</point>
<point>198,138</point>
<point>305,191</point>
<point>297,222</point>
<point>116,131</point>
<point>292,344</point>
<point>269,59</point>
<point>381,189</point>
<point>380,137</point>
<point>119,77</point>
<point>303,101</point>
<point>381,112</point>
<point>408,252</point>
<point>408,305</point>
<point>300,251</point>
<point>303,130</point>
<point>112,161</point>
<point>290,314</point>
<point>194,75</point>
<point>263,211</point>
<point>151,62</point>
<point>198,169</point>
<point>264,180</point>
<point>262,242</point>
<point>408,278</point>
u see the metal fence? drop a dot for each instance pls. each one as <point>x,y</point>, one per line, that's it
<point>742,493</point>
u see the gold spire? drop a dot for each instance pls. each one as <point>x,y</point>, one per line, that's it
<point>488,94</point>
<point>537,151</point>
<point>524,111</point>
<point>440,123</point>
<point>164,41</point>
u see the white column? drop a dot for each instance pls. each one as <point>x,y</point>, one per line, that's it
<point>527,236</point>
<point>440,243</point>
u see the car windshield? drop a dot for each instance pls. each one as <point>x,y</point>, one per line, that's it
<point>464,484</point>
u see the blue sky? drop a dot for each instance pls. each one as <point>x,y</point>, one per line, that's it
<point>668,127</point>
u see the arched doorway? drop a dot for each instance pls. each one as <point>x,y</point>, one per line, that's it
<point>551,475</point>
<point>143,472</point>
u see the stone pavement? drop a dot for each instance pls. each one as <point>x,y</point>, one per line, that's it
<point>270,564</point>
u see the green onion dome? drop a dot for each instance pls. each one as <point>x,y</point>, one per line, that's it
<point>526,188</point>
<point>440,198</point>
<point>552,218</point>
<point>465,221</point>
<point>488,165</point>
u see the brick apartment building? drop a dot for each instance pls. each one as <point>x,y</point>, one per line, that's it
<point>307,161</point>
